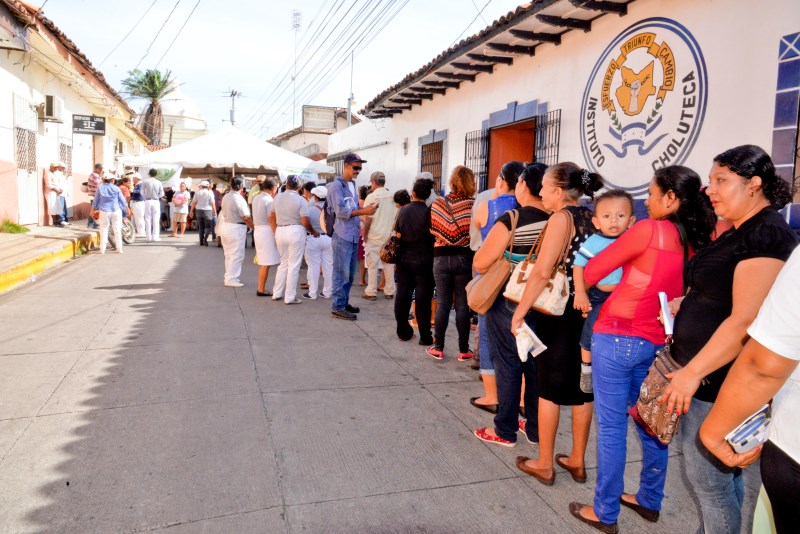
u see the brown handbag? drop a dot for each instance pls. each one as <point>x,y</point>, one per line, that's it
<point>391,248</point>
<point>483,290</point>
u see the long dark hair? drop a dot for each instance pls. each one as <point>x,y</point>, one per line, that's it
<point>750,160</point>
<point>695,212</point>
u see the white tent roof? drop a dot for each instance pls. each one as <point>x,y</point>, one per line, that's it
<point>231,146</point>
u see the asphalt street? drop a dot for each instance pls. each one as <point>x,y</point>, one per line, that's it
<point>139,394</point>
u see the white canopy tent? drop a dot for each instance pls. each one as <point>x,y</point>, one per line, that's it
<point>234,149</point>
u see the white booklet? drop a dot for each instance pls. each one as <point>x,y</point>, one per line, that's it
<point>669,320</point>
<point>528,343</point>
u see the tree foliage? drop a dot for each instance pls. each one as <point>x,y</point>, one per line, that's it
<point>151,85</point>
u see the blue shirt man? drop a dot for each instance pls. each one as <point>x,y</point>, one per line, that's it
<point>109,198</point>
<point>346,229</point>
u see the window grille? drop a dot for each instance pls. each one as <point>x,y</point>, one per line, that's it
<point>476,157</point>
<point>432,154</point>
<point>547,136</point>
<point>65,156</point>
<point>25,144</point>
<point>337,162</point>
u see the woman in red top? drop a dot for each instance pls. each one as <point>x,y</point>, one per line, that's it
<point>627,335</point>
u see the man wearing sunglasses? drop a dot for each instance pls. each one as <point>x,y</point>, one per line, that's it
<point>343,200</point>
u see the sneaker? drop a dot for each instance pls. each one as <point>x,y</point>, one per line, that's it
<point>586,379</point>
<point>483,435</point>
<point>436,354</point>
<point>294,301</point>
<point>352,309</point>
<point>369,297</point>
<point>326,297</point>
<point>464,356</point>
<point>234,283</point>
<point>522,427</point>
<point>276,297</point>
<point>308,296</point>
<point>344,314</point>
<point>388,297</point>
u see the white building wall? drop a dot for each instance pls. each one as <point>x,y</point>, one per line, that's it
<point>739,42</point>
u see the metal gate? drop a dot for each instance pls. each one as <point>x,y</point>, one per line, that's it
<point>476,157</point>
<point>547,136</point>
<point>65,156</point>
<point>28,185</point>
<point>432,154</point>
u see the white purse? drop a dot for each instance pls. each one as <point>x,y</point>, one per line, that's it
<point>553,298</point>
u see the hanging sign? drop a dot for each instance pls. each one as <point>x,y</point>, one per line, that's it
<point>88,124</point>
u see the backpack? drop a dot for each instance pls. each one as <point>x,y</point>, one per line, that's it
<point>327,217</point>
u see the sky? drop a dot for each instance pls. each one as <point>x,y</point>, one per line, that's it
<point>248,46</point>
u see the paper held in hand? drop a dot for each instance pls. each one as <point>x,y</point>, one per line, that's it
<point>669,320</point>
<point>528,343</point>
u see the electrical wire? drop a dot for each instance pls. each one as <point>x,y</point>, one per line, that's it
<point>157,34</point>
<point>471,23</point>
<point>127,34</point>
<point>330,54</point>
<point>177,34</point>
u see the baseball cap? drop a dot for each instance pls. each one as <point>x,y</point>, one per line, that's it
<point>352,157</point>
<point>424,175</point>
<point>204,183</point>
<point>320,192</point>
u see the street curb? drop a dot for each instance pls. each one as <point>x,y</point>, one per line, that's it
<point>27,271</point>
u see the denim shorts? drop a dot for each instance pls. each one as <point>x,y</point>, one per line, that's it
<point>596,298</point>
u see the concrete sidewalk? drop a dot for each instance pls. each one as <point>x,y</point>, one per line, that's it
<point>25,257</point>
<point>139,394</point>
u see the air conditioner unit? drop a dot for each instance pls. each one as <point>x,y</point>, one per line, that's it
<point>52,109</point>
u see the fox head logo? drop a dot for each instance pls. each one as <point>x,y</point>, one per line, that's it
<point>635,89</point>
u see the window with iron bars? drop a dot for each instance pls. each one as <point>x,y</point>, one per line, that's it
<point>65,156</point>
<point>337,162</point>
<point>25,144</point>
<point>476,157</point>
<point>431,161</point>
<point>547,137</point>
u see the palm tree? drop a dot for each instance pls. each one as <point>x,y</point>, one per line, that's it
<point>150,85</point>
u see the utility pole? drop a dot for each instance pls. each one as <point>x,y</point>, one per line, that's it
<point>234,94</point>
<point>296,20</point>
<point>350,99</point>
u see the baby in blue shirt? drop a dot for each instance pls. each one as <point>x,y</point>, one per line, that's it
<point>613,214</point>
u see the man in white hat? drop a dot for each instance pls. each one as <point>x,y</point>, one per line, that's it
<point>425,175</point>
<point>204,210</point>
<point>377,229</point>
<point>319,252</point>
<point>54,190</point>
<point>137,204</point>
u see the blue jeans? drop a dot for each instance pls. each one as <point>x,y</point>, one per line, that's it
<point>619,366</point>
<point>344,271</point>
<point>487,368</point>
<point>452,274</point>
<point>509,370</point>
<point>719,488</point>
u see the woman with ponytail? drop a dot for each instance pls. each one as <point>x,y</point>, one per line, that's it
<point>558,367</point>
<point>729,281</point>
<point>627,335</point>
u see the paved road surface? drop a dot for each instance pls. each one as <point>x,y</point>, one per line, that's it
<point>139,394</point>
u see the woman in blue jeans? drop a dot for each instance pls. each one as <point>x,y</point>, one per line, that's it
<point>451,217</point>
<point>627,335</point>
<point>508,368</point>
<point>502,200</point>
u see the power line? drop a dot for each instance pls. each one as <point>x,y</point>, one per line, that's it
<point>178,34</point>
<point>157,34</point>
<point>127,34</point>
<point>471,23</point>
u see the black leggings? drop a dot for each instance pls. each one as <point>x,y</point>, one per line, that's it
<point>781,477</point>
<point>414,278</point>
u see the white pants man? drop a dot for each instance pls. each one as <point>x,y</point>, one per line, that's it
<point>372,260</point>
<point>152,219</point>
<point>319,253</point>
<point>233,236</point>
<point>291,241</point>
<point>113,219</point>
<point>138,217</point>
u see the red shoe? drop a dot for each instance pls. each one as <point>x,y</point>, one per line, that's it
<point>522,427</point>
<point>483,435</point>
<point>435,353</point>
<point>465,356</point>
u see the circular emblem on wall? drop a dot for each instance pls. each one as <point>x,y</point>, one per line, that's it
<point>644,103</point>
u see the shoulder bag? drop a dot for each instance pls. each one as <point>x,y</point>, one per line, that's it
<point>648,412</point>
<point>391,248</point>
<point>483,290</point>
<point>553,298</point>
